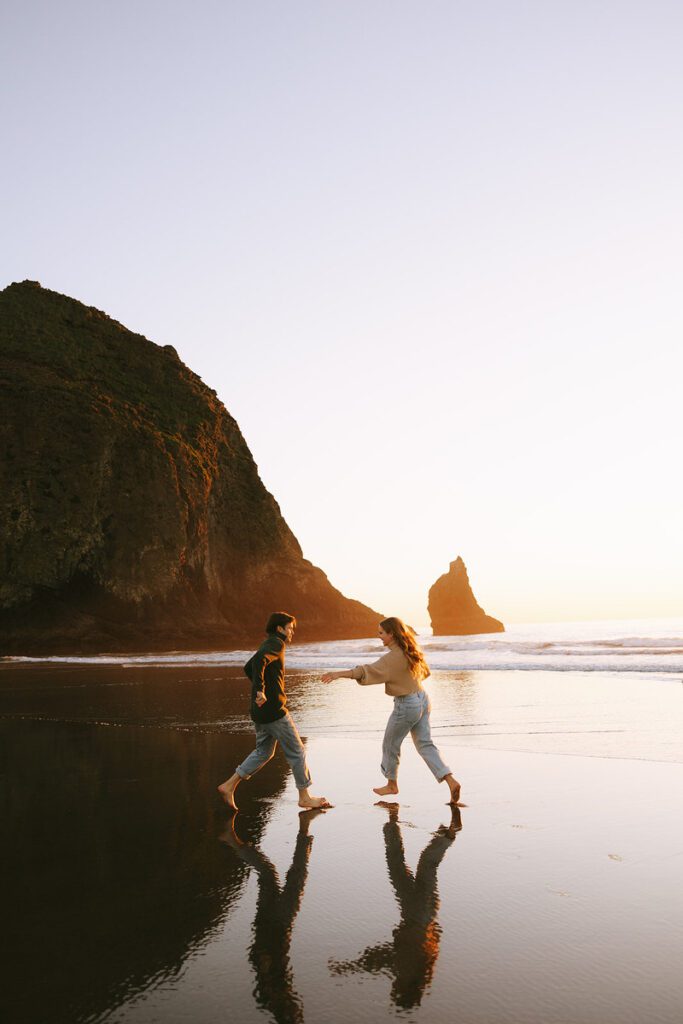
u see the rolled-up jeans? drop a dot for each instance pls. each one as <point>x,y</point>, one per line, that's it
<point>411,715</point>
<point>268,735</point>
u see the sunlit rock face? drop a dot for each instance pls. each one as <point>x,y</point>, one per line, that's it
<point>132,514</point>
<point>453,608</point>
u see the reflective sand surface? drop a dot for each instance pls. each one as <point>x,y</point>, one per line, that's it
<point>600,714</point>
<point>553,896</point>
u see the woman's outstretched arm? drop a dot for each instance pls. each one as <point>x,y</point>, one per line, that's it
<point>366,675</point>
<point>342,673</point>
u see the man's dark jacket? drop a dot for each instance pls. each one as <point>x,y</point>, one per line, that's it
<point>266,669</point>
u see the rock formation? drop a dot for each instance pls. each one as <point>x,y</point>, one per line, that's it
<point>453,607</point>
<point>132,515</point>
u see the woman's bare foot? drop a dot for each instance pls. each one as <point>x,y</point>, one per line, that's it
<point>312,803</point>
<point>454,787</point>
<point>391,789</point>
<point>227,791</point>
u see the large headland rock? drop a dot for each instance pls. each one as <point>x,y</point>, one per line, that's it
<point>132,514</point>
<point>453,608</point>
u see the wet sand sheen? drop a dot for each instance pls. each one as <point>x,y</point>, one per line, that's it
<point>600,714</point>
<point>555,897</point>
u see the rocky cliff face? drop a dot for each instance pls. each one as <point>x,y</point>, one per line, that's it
<point>132,515</point>
<point>453,607</point>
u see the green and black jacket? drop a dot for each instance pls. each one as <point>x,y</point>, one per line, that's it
<point>266,669</point>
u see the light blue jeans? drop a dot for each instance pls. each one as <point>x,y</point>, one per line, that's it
<point>268,735</point>
<point>411,715</point>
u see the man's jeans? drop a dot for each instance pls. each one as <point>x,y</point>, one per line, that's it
<point>268,735</point>
<point>411,715</point>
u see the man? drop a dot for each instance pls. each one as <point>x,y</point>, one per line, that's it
<point>272,721</point>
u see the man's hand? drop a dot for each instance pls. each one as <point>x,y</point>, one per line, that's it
<point>328,677</point>
<point>260,699</point>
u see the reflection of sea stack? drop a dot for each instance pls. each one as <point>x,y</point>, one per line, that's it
<point>132,514</point>
<point>453,607</point>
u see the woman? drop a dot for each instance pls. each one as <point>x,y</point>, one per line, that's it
<point>402,670</point>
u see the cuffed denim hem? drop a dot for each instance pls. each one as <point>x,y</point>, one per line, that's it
<point>268,735</point>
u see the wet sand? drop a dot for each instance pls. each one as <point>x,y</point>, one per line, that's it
<point>553,896</point>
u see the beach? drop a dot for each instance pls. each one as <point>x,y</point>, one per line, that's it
<point>552,895</point>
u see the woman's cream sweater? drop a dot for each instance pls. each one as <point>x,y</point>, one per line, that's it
<point>392,670</point>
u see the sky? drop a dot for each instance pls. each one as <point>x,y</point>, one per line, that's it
<point>428,255</point>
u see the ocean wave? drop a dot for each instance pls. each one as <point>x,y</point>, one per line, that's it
<point>588,647</point>
<point>566,662</point>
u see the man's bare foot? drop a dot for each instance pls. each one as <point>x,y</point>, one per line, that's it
<point>313,803</point>
<point>227,792</point>
<point>228,798</point>
<point>391,789</point>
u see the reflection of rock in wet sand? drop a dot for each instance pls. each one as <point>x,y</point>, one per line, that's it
<point>410,956</point>
<point>114,875</point>
<point>276,909</point>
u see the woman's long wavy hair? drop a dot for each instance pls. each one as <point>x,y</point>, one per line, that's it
<point>404,638</point>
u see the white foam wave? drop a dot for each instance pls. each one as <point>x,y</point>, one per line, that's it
<point>649,647</point>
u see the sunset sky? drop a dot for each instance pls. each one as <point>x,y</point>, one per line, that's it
<point>428,254</point>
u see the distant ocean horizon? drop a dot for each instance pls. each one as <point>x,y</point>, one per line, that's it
<point>607,645</point>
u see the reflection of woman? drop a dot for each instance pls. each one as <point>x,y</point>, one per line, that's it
<point>403,669</point>
<point>410,956</point>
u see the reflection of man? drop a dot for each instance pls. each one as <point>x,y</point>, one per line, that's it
<point>410,957</point>
<point>276,909</point>
<point>272,721</point>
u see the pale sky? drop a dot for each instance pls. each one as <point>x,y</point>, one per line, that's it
<point>428,254</point>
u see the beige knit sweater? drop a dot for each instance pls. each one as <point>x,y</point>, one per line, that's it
<point>392,670</point>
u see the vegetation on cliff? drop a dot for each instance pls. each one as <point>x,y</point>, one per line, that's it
<point>132,514</point>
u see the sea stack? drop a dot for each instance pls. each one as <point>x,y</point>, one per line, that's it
<point>132,514</point>
<point>453,608</point>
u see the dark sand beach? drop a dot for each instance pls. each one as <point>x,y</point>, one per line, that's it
<point>552,896</point>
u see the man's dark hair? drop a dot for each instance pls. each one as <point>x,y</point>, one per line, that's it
<point>279,619</point>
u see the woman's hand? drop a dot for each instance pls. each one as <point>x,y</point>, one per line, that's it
<point>260,699</point>
<point>339,673</point>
